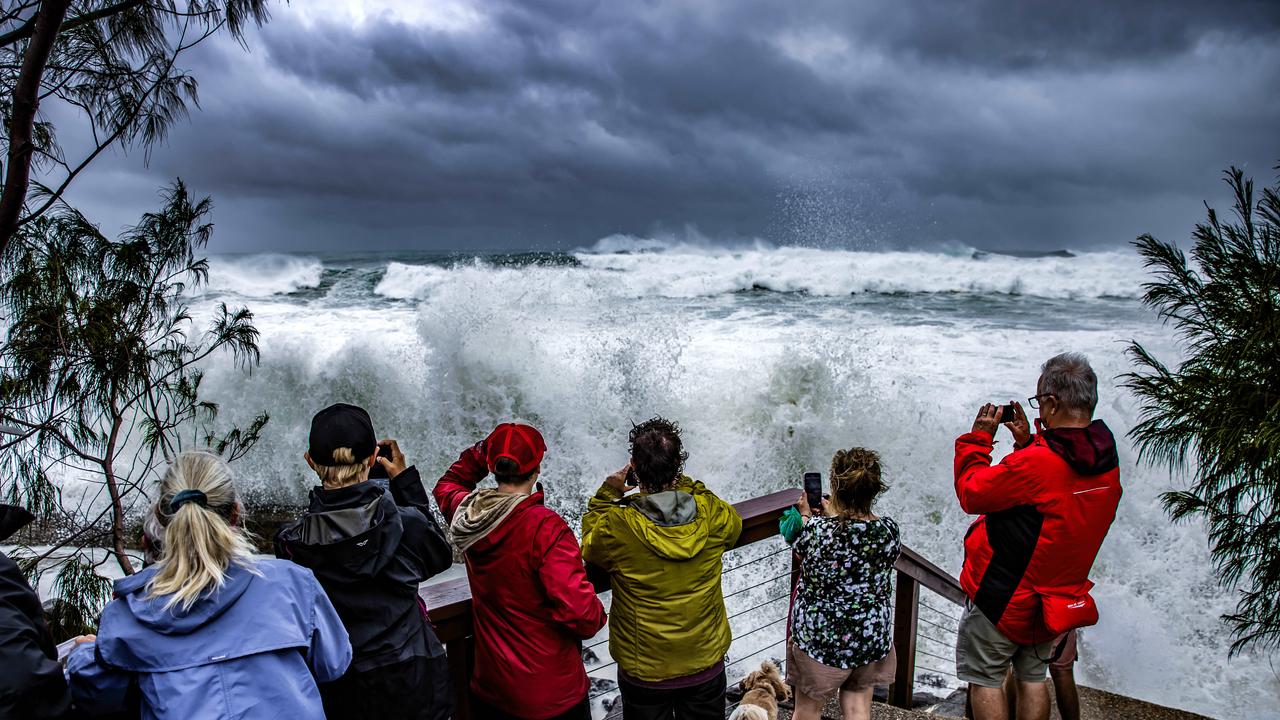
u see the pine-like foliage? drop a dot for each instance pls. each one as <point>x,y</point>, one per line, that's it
<point>1217,414</point>
<point>113,79</point>
<point>100,379</point>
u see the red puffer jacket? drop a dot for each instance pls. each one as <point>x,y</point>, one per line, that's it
<point>1045,510</point>
<point>532,603</point>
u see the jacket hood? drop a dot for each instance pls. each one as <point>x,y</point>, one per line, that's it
<point>351,531</point>
<point>1088,450</point>
<point>503,527</point>
<point>150,610</point>
<point>480,513</point>
<point>669,523</point>
<point>13,519</point>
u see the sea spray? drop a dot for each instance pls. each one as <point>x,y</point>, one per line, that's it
<point>258,276</point>
<point>767,384</point>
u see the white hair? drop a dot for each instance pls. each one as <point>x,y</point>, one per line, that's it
<point>1069,378</point>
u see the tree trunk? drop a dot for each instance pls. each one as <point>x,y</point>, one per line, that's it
<point>117,501</point>
<point>117,524</point>
<point>26,100</point>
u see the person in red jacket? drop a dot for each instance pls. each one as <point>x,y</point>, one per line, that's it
<point>532,604</point>
<point>1043,513</point>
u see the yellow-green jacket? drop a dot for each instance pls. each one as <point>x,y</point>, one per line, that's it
<point>663,554</point>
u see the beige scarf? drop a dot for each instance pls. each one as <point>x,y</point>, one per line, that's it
<point>479,513</point>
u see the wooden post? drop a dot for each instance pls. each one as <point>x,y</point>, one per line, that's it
<point>906,606</point>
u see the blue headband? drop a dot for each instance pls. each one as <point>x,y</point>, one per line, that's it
<point>185,496</point>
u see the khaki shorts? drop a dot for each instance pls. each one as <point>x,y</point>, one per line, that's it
<point>1064,650</point>
<point>817,681</point>
<point>984,654</point>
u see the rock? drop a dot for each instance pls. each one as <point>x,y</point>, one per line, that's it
<point>952,705</point>
<point>924,699</point>
<point>931,680</point>
<point>601,685</point>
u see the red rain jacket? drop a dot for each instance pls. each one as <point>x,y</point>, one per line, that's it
<point>532,604</point>
<point>1045,509</point>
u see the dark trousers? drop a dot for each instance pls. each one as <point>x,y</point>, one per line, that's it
<point>700,702</point>
<point>484,711</point>
<point>417,689</point>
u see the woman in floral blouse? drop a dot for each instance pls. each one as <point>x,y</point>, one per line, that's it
<point>840,624</point>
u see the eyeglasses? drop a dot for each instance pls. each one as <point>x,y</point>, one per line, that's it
<point>1034,400</point>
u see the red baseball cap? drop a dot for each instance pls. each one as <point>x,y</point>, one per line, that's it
<point>521,443</point>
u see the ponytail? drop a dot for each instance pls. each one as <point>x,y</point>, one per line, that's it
<point>196,505</point>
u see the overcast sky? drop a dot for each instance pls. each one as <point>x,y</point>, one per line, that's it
<point>508,124</point>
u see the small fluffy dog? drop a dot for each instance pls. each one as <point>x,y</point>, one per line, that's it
<point>764,688</point>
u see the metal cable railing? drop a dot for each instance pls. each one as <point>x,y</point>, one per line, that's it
<point>747,612</point>
<point>935,643</point>
<point>762,583</point>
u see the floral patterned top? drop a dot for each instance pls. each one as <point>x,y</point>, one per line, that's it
<point>842,609</point>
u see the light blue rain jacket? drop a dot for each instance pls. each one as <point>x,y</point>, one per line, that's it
<point>254,648</point>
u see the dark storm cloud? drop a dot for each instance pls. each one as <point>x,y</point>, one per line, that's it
<point>1011,35</point>
<point>553,124</point>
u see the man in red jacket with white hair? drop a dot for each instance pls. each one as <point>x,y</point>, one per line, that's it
<point>1043,513</point>
<point>531,601</point>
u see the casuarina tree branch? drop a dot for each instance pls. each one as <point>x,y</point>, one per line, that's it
<point>26,100</point>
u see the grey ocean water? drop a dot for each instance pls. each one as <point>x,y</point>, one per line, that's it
<point>770,358</point>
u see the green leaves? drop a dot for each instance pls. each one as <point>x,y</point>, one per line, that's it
<point>100,371</point>
<point>1217,413</point>
<point>112,65</point>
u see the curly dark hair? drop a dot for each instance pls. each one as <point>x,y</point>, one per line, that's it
<point>855,481</point>
<point>657,454</point>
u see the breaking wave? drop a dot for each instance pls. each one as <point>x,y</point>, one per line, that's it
<point>654,269</point>
<point>260,276</point>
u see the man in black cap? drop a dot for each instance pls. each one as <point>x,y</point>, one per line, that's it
<point>370,548</point>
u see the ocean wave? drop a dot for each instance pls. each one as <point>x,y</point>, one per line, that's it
<point>263,275</point>
<point>402,281</point>
<point>627,267</point>
<point>684,270</point>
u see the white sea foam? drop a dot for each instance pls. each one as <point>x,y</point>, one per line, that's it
<point>403,282</point>
<point>260,276</point>
<point>686,270</point>
<point>638,269</point>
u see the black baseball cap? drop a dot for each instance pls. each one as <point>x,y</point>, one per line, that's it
<point>341,426</point>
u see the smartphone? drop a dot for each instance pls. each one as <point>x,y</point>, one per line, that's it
<point>65,648</point>
<point>813,490</point>
<point>377,472</point>
<point>1007,414</point>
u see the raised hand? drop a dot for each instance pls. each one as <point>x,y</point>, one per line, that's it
<point>988,419</point>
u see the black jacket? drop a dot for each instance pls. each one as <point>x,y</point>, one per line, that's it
<point>31,683</point>
<point>370,549</point>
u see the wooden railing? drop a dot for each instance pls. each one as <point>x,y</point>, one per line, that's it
<point>449,603</point>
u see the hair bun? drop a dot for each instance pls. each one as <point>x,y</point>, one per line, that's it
<point>855,479</point>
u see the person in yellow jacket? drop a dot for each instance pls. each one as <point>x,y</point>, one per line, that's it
<point>662,547</point>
